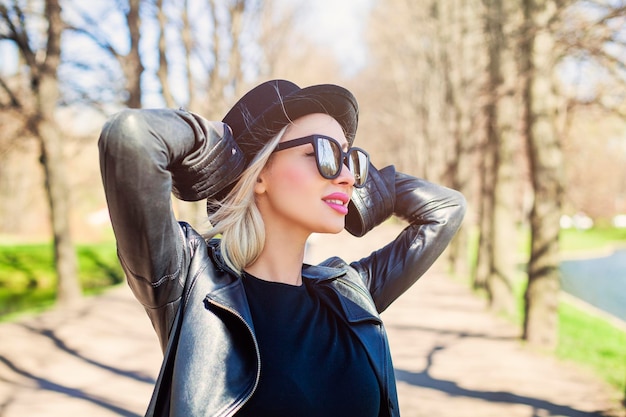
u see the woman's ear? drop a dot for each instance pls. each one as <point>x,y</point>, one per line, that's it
<point>259,185</point>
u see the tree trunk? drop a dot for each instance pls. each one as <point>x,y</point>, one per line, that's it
<point>500,222</point>
<point>545,158</point>
<point>57,191</point>
<point>459,165</point>
<point>504,231</point>
<point>52,158</point>
<point>486,198</point>
<point>131,62</point>
<point>163,70</point>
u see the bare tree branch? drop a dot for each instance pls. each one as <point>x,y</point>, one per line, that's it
<point>14,102</point>
<point>19,34</point>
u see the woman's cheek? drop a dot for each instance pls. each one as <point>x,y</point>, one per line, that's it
<point>297,175</point>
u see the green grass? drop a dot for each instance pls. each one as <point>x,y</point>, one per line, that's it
<point>594,342</point>
<point>27,276</point>
<point>572,240</point>
<point>585,339</point>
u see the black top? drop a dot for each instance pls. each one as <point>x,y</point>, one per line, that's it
<point>311,364</point>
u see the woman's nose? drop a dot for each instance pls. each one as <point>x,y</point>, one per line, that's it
<point>345,176</point>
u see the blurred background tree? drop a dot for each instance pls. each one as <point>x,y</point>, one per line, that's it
<point>32,99</point>
<point>517,104</point>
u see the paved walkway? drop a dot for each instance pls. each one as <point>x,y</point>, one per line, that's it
<point>452,358</point>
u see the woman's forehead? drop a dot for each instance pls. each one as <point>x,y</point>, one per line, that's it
<point>316,123</point>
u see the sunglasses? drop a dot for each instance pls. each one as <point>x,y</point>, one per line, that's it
<point>330,158</point>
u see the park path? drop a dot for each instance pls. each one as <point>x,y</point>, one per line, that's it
<point>452,358</point>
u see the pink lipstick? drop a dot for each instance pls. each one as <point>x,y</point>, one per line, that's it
<point>338,202</point>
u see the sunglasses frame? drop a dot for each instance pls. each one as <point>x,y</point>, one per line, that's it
<point>344,158</point>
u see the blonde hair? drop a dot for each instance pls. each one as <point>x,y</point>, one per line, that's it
<point>238,218</point>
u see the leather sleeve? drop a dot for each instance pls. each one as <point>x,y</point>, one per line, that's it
<point>434,214</point>
<point>142,154</point>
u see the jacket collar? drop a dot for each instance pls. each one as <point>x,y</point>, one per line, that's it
<point>322,273</point>
<point>354,300</point>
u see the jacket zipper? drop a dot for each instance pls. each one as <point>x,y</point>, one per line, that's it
<point>256,348</point>
<point>223,267</point>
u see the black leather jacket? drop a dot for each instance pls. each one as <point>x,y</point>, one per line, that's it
<point>142,152</point>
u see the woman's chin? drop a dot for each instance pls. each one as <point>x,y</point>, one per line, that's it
<point>334,229</point>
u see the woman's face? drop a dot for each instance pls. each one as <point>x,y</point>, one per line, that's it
<point>291,193</point>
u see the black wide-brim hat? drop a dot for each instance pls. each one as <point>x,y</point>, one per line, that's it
<point>263,111</point>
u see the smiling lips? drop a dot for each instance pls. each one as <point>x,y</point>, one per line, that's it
<point>338,202</point>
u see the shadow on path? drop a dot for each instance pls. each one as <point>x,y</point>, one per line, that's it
<point>20,378</point>
<point>425,380</point>
<point>45,384</point>
<point>60,344</point>
<point>460,334</point>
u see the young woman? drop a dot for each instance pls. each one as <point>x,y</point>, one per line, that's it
<point>246,328</point>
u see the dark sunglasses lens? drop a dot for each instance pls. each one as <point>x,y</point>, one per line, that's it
<point>358,163</point>
<point>328,158</point>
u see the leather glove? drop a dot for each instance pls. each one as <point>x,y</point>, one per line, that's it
<point>374,203</point>
<point>210,167</point>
